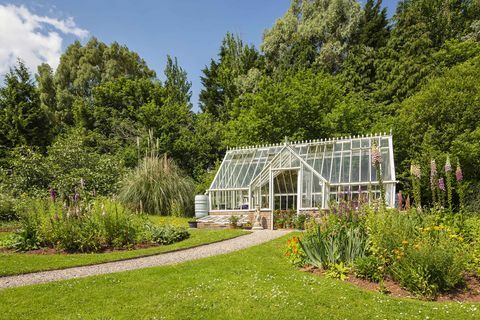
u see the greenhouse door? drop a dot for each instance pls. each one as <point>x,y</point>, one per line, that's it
<point>285,189</point>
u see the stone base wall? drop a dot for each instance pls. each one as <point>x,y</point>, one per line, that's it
<point>266,218</point>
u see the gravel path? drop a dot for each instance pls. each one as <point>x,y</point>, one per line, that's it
<point>208,250</point>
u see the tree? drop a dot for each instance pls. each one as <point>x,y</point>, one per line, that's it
<point>312,33</point>
<point>373,28</point>
<point>304,105</point>
<point>23,121</point>
<point>421,29</point>
<point>82,68</point>
<point>176,84</point>
<point>443,118</point>
<point>220,80</point>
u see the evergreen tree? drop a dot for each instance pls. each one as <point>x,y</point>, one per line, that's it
<point>23,121</point>
<point>220,80</point>
<point>373,28</point>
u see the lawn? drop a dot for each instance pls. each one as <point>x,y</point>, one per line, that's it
<point>256,283</point>
<point>17,263</point>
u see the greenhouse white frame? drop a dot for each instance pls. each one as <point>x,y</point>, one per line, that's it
<point>303,176</point>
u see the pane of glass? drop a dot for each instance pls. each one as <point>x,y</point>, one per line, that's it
<point>355,175</point>
<point>365,164</point>
<point>346,167</point>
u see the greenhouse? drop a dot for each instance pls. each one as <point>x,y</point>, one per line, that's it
<point>303,176</point>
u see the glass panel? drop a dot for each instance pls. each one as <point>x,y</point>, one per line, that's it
<point>365,166</point>
<point>345,167</point>
<point>355,175</point>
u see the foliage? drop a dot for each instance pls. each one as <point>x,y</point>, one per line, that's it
<point>302,105</point>
<point>156,185</point>
<point>233,219</point>
<point>226,78</point>
<point>166,234</point>
<point>422,254</point>
<point>368,267</point>
<point>434,263</point>
<point>22,119</point>
<point>335,242</point>
<point>312,33</point>
<point>338,271</point>
<point>444,113</point>
<point>294,252</point>
<point>284,219</point>
<point>87,227</point>
<point>7,208</point>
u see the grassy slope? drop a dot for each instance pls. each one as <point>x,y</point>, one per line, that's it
<point>257,283</point>
<point>16,263</point>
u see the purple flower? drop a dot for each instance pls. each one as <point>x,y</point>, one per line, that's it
<point>441,184</point>
<point>458,173</point>
<point>415,170</point>
<point>53,194</point>
<point>376,155</point>
<point>448,165</point>
<point>76,196</point>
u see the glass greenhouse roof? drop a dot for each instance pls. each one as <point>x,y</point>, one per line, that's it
<point>340,161</point>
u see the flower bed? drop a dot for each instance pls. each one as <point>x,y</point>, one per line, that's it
<point>94,226</point>
<point>430,255</point>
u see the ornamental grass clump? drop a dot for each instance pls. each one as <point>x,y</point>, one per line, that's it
<point>158,186</point>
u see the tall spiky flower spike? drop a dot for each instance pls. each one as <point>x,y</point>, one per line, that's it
<point>376,162</point>
<point>415,170</point>
<point>433,180</point>
<point>448,175</point>
<point>460,186</point>
<point>448,165</point>
<point>459,173</point>
<point>441,184</point>
<point>416,173</point>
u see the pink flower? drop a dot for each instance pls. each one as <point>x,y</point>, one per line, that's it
<point>415,170</point>
<point>441,184</point>
<point>433,171</point>
<point>458,173</point>
<point>448,165</point>
<point>376,155</point>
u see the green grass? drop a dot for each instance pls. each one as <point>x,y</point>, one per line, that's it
<point>256,283</point>
<point>17,263</point>
<point>176,221</point>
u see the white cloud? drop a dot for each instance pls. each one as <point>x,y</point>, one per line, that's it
<point>32,38</point>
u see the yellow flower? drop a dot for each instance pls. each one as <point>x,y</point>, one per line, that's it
<point>404,242</point>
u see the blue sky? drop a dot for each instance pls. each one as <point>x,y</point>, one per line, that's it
<point>188,29</point>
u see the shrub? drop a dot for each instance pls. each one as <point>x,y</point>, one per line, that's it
<point>299,221</point>
<point>87,227</point>
<point>387,229</point>
<point>423,256</point>
<point>369,268</point>
<point>7,208</point>
<point>433,264</point>
<point>156,186</point>
<point>166,234</point>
